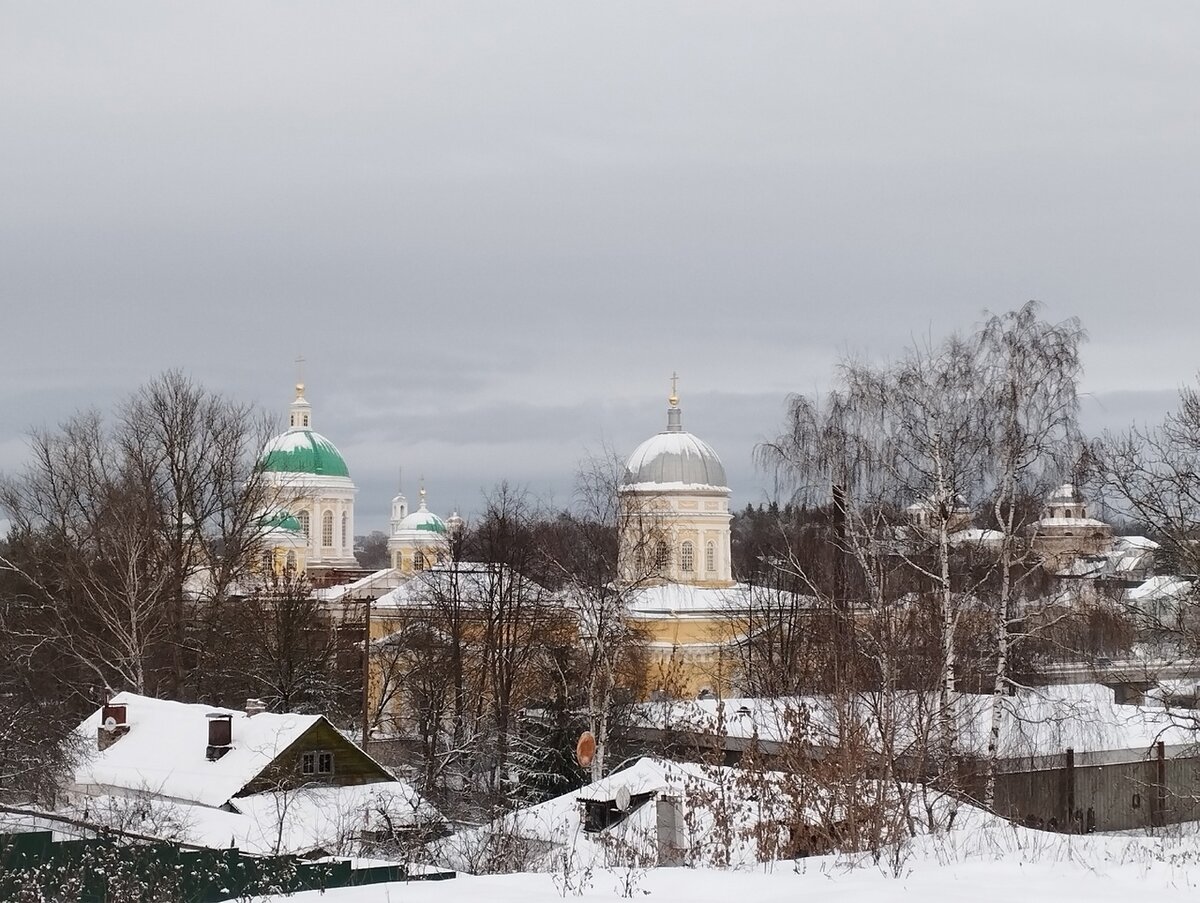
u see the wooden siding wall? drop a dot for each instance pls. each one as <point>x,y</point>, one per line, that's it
<point>350,764</point>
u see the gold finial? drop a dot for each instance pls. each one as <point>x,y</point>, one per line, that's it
<point>422,490</point>
<point>673,400</point>
<point>300,376</point>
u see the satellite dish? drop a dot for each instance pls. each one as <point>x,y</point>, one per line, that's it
<point>622,798</point>
<point>585,749</point>
<point>110,723</point>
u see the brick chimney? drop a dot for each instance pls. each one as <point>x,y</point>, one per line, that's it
<point>220,735</point>
<point>113,725</point>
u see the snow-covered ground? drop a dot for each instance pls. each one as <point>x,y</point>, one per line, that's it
<point>987,860</point>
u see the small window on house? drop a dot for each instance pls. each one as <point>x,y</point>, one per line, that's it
<point>687,557</point>
<point>345,530</point>
<point>306,420</point>
<point>289,566</point>
<point>418,561</point>
<point>1136,802</point>
<point>303,518</point>
<point>268,563</point>
<point>710,557</point>
<point>316,763</point>
<point>327,529</point>
<point>662,555</point>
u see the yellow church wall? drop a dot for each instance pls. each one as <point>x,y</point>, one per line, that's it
<point>278,565</point>
<point>690,654</point>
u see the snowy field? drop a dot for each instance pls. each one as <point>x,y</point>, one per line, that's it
<point>985,863</point>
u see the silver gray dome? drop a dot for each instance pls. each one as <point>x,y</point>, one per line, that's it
<point>674,456</point>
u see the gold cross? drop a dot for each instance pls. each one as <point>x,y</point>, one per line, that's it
<point>674,399</point>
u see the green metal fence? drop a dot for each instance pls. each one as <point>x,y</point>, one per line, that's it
<point>34,866</point>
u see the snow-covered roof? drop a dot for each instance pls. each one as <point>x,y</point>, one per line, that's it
<point>558,823</point>
<point>303,451</point>
<point>978,535</point>
<point>466,579</point>
<point>671,599</point>
<point>164,751</point>
<point>423,521</point>
<point>646,775</point>
<point>325,818</point>
<point>1070,522</point>
<point>1066,494</point>
<point>310,818</point>
<point>1163,587</point>
<point>1043,722</point>
<point>1142,543</point>
<point>373,585</point>
<point>683,598</point>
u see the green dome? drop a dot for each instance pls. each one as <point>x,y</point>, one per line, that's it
<point>423,520</point>
<point>304,451</point>
<point>281,520</point>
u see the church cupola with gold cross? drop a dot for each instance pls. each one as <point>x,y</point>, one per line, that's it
<point>674,503</point>
<point>419,540</point>
<point>312,483</point>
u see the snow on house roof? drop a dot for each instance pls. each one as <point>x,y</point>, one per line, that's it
<point>646,775</point>
<point>326,818</point>
<point>164,751</point>
<point>1043,722</point>
<point>322,817</point>
<point>559,823</point>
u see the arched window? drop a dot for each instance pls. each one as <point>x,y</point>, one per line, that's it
<point>687,557</point>
<point>289,567</point>
<point>418,560</point>
<point>710,557</point>
<point>268,563</point>
<point>327,529</point>
<point>345,530</point>
<point>662,555</point>
<point>303,518</point>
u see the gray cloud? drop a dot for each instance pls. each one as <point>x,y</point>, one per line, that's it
<point>495,229</point>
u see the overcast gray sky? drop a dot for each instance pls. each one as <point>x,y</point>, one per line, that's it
<point>494,229</point>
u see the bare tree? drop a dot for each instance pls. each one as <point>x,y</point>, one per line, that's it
<point>1030,372</point>
<point>283,650</point>
<point>1152,474</point>
<point>586,555</point>
<point>131,533</point>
